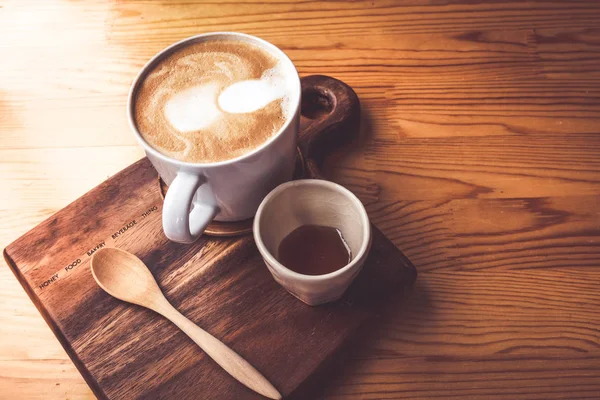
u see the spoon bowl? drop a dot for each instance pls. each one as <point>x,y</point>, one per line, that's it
<point>116,270</point>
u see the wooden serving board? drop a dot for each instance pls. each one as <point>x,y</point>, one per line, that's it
<point>128,352</point>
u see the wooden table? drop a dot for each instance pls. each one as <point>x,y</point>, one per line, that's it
<point>479,158</point>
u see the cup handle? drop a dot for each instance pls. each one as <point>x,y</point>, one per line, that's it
<point>179,223</point>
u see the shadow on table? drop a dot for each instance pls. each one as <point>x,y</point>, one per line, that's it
<point>400,306</point>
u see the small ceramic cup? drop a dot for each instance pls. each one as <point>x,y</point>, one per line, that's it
<point>314,202</point>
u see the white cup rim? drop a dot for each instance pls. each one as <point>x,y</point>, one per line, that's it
<point>280,54</point>
<point>288,273</point>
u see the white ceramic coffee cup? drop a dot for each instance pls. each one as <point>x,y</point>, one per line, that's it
<point>314,202</point>
<point>228,190</point>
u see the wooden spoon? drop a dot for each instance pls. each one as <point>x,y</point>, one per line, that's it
<point>124,276</point>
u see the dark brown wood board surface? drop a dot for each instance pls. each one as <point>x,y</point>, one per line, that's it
<point>128,352</point>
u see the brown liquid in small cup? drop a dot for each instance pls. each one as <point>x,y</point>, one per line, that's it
<point>314,250</point>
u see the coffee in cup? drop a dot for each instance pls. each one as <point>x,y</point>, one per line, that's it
<point>213,101</point>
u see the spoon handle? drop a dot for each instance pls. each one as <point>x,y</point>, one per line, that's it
<point>228,359</point>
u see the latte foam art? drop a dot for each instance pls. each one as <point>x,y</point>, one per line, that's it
<point>251,95</point>
<point>199,106</point>
<point>213,101</point>
<point>193,109</point>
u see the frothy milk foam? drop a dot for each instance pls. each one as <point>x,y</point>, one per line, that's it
<point>251,95</point>
<point>213,101</point>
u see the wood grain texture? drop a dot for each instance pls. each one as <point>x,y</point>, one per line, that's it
<point>479,159</point>
<point>125,277</point>
<point>222,284</point>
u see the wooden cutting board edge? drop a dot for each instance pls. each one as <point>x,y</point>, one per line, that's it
<point>299,393</point>
<point>92,383</point>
